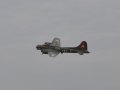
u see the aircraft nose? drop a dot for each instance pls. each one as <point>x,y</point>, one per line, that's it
<point>38,47</point>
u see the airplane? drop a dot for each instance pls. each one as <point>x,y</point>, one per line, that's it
<point>54,48</point>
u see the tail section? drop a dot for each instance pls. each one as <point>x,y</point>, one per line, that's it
<point>83,46</point>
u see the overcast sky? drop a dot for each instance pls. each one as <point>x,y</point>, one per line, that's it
<point>26,23</point>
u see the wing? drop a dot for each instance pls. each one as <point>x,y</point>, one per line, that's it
<point>53,53</point>
<point>56,42</point>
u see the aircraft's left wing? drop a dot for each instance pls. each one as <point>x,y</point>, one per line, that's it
<point>56,42</point>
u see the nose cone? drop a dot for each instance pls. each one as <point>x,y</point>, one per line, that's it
<point>38,47</point>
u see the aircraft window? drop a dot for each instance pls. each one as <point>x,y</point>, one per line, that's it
<point>44,45</point>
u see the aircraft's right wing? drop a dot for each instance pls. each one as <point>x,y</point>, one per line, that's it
<point>53,53</point>
<point>56,42</point>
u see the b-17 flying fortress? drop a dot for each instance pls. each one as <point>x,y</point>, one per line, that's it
<point>54,48</point>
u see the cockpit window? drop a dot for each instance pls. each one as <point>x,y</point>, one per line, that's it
<point>47,44</point>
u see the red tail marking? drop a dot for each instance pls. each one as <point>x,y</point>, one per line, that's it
<point>83,45</point>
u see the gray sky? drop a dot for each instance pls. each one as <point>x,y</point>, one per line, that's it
<point>26,23</point>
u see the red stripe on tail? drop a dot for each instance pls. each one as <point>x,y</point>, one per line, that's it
<point>83,45</point>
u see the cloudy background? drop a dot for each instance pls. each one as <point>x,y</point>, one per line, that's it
<point>26,23</point>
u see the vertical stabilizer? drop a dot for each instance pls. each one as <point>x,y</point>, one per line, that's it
<point>83,45</point>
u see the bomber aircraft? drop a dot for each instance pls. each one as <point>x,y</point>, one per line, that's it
<point>54,48</point>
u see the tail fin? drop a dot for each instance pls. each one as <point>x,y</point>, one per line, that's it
<point>83,45</point>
